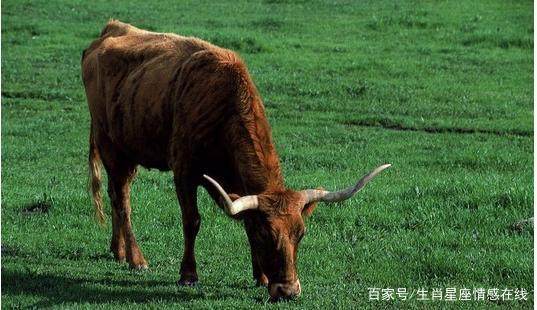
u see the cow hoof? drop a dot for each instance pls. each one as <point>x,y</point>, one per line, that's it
<point>261,281</point>
<point>119,256</point>
<point>140,267</point>
<point>189,281</point>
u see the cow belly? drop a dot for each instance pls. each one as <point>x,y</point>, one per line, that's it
<point>147,150</point>
<point>140,115</point>
<point>146,142</point>
<point>152,154</point>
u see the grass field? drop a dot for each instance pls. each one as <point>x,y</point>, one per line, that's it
<point>440,89</point>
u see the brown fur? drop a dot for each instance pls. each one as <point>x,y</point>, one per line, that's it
<point>179,103</point>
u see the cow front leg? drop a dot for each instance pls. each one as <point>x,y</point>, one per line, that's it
<point>186,194</point>
<point>259,276</point>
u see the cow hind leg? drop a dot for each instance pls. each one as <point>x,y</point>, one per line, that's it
<point>117,245</point>
<point>123,240</point>
<point>120,174</point>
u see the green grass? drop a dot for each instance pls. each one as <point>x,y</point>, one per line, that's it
<point>442,90</point>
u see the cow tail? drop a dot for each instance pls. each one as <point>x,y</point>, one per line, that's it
<point>95,179</point>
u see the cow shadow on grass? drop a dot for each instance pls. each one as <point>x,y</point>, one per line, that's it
<point>55,288</point>
<point>59,289</point>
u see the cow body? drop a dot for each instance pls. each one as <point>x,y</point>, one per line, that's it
<point>178,103</point>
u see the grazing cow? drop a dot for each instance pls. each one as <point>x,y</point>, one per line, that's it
<point>179,103</point>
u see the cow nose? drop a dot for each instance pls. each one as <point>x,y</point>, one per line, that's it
<point>284,290</point>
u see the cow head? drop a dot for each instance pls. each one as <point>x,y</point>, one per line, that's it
<point>275,226</point>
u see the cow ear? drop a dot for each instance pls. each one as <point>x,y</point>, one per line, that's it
<point>234,197</point>
<point>308,209</point>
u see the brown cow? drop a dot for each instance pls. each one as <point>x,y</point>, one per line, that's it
<point>178,103</point>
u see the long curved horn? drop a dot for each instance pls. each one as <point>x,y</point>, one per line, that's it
<point>312,195</point>
<point>237,206</point>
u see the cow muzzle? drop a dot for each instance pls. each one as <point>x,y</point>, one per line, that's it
<point>279,291</point>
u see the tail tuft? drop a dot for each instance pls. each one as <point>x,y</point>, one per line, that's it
<point>95,181</point>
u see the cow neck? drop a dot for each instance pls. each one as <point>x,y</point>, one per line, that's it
<point>259,164</point>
